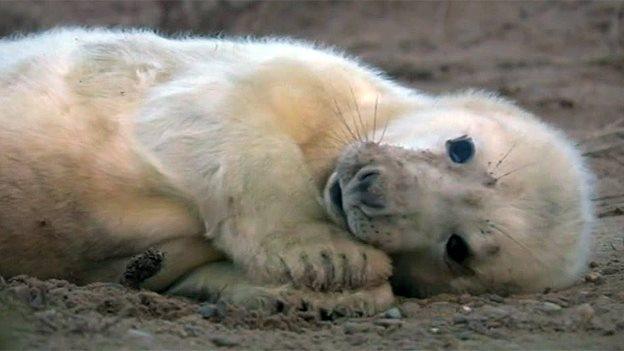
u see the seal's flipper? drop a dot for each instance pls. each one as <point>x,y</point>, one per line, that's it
<point>224,282</point>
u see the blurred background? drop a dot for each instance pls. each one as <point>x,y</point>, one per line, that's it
<point>563,60</point>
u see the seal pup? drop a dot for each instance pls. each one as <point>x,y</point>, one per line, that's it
<point>217,153</point>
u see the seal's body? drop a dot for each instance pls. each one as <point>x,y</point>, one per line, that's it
<point>213,150</point>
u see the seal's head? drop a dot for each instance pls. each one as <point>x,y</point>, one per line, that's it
<point>469,194</point>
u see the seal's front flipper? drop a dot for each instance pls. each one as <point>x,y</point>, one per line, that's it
<point>223,281</point>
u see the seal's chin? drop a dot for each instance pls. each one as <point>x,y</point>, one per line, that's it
<point>333,200</point>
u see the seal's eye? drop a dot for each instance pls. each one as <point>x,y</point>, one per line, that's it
<point>457,249</point>
<point>461,149</point>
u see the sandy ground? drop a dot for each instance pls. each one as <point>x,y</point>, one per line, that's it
<point>563,61</point>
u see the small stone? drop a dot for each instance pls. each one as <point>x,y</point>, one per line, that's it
<point>465,335</point>
<point>559,300</point>
<point>605,327</point>
<point>393,313</point>
<point>610,270</point>
<point>49,318</point>
<point>21,292</point>
<point>224,341</point>
<point>465,298</point>
<point>460,319</point>
<point>495,298</point>
<point>494,312</point>
<point>466,309</point>
<point>387,323</point>
<point>585,312</point>
<point>594,277</point>
<point>192,330</point>
<point>356,340</point>
<point>434,330</point>
<point>528,302</point>
<point>410,309</point>
<point>354,328</point>
<point>442,306</point>
<point>141,336</point>
<point>550,307</point>
<point>208,310</point>
<point>603,301</point>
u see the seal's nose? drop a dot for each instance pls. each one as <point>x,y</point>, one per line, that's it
<point>368,188</point>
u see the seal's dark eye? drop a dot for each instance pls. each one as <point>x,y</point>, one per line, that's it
<point>460,150</point>
<point>457,249</point>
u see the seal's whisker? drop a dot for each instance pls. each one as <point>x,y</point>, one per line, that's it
<point>342,118</point>
<point>355,125</point>
<point>375,116</point>
<point>516,241</point>
<point>354,130</point>
<point>514,171</point>
<point>341,139</point>
<point>344,129</point>
<point>513,146</point>
<point>359,114</point>
<point>383,132</point>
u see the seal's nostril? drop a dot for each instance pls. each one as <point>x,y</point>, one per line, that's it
<point>369,198</point>
<point>367,175</point>
<point>366,179</point>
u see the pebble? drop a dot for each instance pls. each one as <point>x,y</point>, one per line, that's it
<point>224,341</point>
<point>393,313</point>
<point>385,322</point>
<point>594,277</point>
<point>561,301</point>
<point>528,301</point>
<point>550,307</point>
<point>466,309</point>
<point>37,300</point>
<point>353,328</point>
<point>460,319</point>
<point>442,306</point>
<point>356,340</point>
<point>465,335</point>
<point>610,270</point>
<point>465,298</point>
<point>22,292</point>
<point>603,300</point>
<point>49,318</point>
<point>585,312</point>
<point>208,310</point>
<point>141,336</point>
<point>494,312</point>
<point>411,309</point>
<point>495,298</point>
